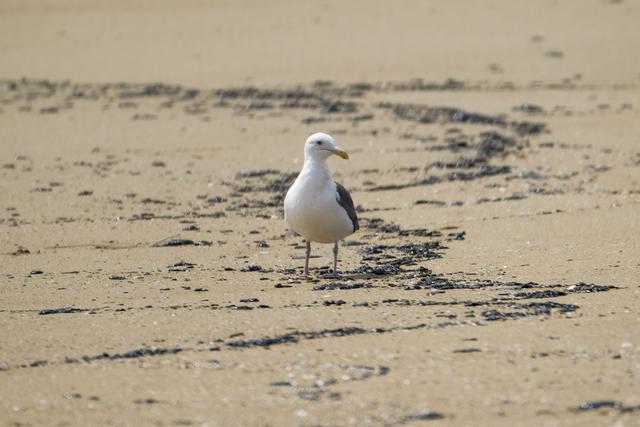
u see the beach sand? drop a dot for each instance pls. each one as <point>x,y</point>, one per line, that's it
<point>148,276</point>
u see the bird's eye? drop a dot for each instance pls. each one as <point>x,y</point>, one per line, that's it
<point>319,142</point>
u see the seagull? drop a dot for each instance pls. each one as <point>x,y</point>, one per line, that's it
<point>316,207</point>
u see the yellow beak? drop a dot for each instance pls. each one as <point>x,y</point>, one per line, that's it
<point>341,153</point>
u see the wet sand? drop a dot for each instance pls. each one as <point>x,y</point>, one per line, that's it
<point>147,271</point>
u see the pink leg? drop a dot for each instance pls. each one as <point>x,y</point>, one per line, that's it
<point>306,258</point>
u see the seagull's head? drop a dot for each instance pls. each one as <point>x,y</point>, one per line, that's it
<point>320,146</point>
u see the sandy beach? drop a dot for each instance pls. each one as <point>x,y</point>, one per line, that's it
<point>148,276</point>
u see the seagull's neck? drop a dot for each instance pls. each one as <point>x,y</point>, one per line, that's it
<point>317,167</point>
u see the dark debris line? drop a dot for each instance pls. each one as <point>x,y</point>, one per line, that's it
<point>475,162</point>
<point>428,114</point>
<point>61,310</point>
<point>132,354</point>
<point>591,405</point>
<point>530,309</point>
<point>325,98</point>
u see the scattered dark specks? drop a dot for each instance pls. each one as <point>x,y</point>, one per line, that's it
<point>144,116</point>
<point>588,287</point>
<point>362,117</point>
<point>498,315</point>
<point>430,202</point>
<point>467,350</point>
<point>257,173</point>
<point>513,196</point>
<point>309,393</point>
<point>85,193</point>
<point>280,384</point>
<point>388,269</point>
<point>49,110</point>
<point>158,164</point>
<point>334,302</point>
<point>181,266</point>
<point>457,235</point>
<point>556,54</point>
<point>596,168</point>
<point>215,199</point>
<point>21,251</point>
<point>540,354</point>
<point>496,68</point>
<point>590,405</point>
<point>264,342</point>
<point>261,244</point>
<point>117,277</point>
<point>540,294</point>
<point>422,416</point>
<point>41,190</point>
<point>61,310</point>
<point>149,200</point>
<point>383,370</point>
<point>148,401</point>
<point>144,216</point>
<point>251,267</point>
<point>71,396</point>
<point>529,108</point>
<point>191,227</point>
<point>181,242</point>
<point>127,104</point>
<point>341,286</point>
<point>140,352</point>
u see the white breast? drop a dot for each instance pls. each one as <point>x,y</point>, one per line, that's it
<point>312,210</point>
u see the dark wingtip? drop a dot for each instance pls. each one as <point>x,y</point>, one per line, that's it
<point>344,200</point>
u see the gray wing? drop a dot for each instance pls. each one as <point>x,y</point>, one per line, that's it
<point>344,199</point>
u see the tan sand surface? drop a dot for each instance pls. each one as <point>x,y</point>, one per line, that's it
<point>495,165</point>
